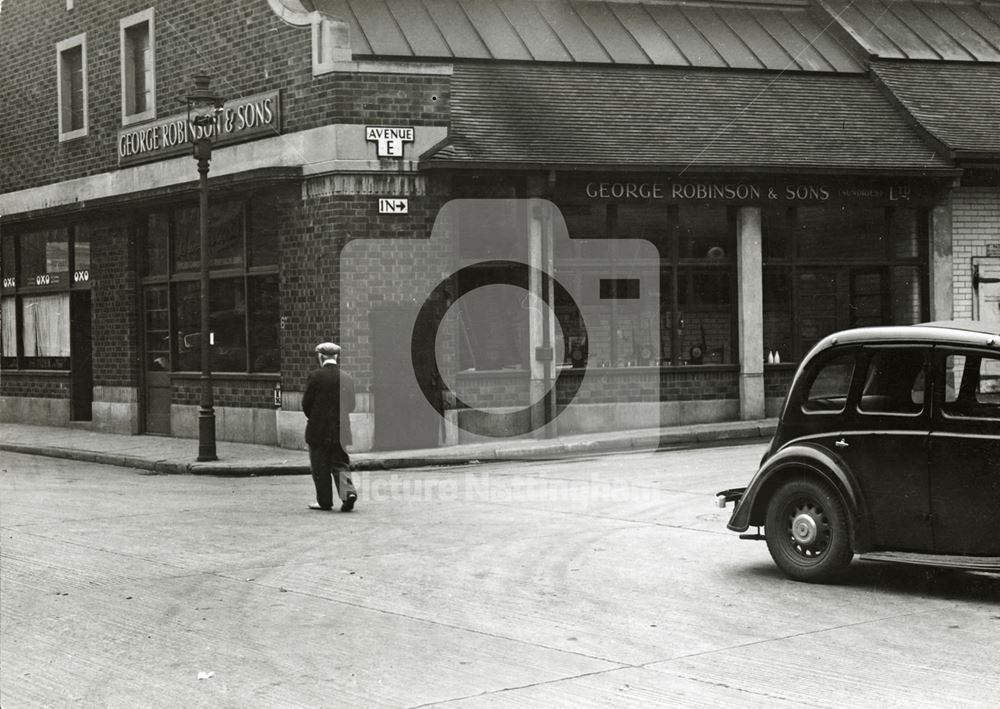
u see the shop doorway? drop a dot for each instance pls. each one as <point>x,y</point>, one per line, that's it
<point>81,347</point>
<point>400,409</point>
<point>156,359</point>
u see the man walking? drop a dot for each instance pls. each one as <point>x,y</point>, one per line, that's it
<point>327,403</point>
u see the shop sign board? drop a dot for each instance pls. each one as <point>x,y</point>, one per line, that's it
<point>746,192</point>
<point>240,120</point>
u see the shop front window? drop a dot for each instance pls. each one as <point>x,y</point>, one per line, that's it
<point>45,256</point>
<point>41,267</point>
<point>683,307</point>
<point>244,313</point>
<point>8,331</point>
<point>831,268</point>
<point>46,325</point>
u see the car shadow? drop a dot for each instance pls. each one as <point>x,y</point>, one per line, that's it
<point>904,580</point>
<point>908,579</point>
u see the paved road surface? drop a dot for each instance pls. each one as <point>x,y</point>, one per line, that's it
<point>605,582</point>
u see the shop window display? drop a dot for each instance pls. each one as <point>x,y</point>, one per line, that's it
<point>690,303</point>
<point>831,268</point>
<point>40,269</point>
<point>244,315</point>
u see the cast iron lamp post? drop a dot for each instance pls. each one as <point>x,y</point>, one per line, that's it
<point>202,107</point>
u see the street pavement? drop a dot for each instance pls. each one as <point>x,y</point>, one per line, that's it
<point>595,581</point>
<point>165,454</point>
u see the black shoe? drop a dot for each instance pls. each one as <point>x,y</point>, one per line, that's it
<point>349,502</point>
<point>317,506</point>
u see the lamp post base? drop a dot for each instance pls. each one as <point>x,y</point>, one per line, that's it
<point>206,435</point>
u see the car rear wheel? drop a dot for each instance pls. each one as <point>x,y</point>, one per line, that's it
<point>806,531</point>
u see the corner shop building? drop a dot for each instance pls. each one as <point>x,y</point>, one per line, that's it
<point>782,190</point>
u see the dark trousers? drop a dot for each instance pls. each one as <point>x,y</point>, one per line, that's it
<point>330,461</point>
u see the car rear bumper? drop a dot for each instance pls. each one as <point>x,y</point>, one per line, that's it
<point>724,497</point>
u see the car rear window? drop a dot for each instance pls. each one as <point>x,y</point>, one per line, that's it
<point>828,390</point>
<point>972,385</point>
<point>894,382</point>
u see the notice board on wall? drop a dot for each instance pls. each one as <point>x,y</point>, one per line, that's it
<point>987,291</point>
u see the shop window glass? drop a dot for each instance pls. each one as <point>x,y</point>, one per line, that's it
<point>831,385</point>
<point>264,332</point>
<point>264,230</point>
<point>227,326</point>
<point>244,317</point>
<point>905,233</point>
<point>81,252</point>
<point>496,229</point>
<point>586,221</point>
<point>225,233</point>
<point>157,316</point>
<point>777,227</point>
<point>704,232</point>
<point>228,320</point>
<point>46,325</point>
<point>833,232</point>
<point>44,256</point>
<point>8,328</point>
<point>777,325</point>
<point>8,265</point>
<point>155,247</point>
<point>187,243</point>
<point>641,221</point>
<point>492,322</point>
<point>907,295</point>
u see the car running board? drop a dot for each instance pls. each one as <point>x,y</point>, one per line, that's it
<point>973,563</point>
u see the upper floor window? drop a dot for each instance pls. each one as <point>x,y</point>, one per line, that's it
<point>138,68</point>
<point>71,70</point>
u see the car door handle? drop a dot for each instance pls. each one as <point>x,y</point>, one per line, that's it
<point>842,444</point>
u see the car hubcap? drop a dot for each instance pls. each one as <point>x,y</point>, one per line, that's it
<point>808,530</point>
<point>804,529</point>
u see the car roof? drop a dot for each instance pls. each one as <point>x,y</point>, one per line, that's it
<point>961,332</point>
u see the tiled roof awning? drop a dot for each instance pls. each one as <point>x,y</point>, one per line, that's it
<point>958,104</point>
<point>633,118</point>
<point>781,35</point>
<point>953,30</point>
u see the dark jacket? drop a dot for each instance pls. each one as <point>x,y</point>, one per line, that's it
<point>327,402</point>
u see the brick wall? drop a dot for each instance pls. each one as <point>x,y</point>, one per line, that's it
<point>692,383</point>
<point>777,381</point>
<point>336,212</point>
<point>975,225</point>
<point>43,385</point>
<point>227,391</point>
<point>242,43</point>
<point>113,284</point>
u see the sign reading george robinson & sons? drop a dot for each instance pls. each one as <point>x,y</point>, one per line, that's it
<point>843,191</point>
<point>240,120</point>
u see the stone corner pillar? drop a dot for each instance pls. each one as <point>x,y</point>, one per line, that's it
<point>750,301</point>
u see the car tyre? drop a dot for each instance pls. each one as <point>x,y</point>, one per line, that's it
<point>806,531</point>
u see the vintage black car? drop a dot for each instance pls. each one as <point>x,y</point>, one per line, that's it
<point>888,446</point>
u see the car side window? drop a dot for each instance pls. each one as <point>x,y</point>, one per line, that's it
<point>829,388</point>
<point>972,385</point>
<point>894,382</point>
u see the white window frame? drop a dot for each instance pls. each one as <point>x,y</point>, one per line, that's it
<point>79,40</point>
<point>125,24</point>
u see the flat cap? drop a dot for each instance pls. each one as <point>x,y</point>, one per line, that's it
<point>328,349</point>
